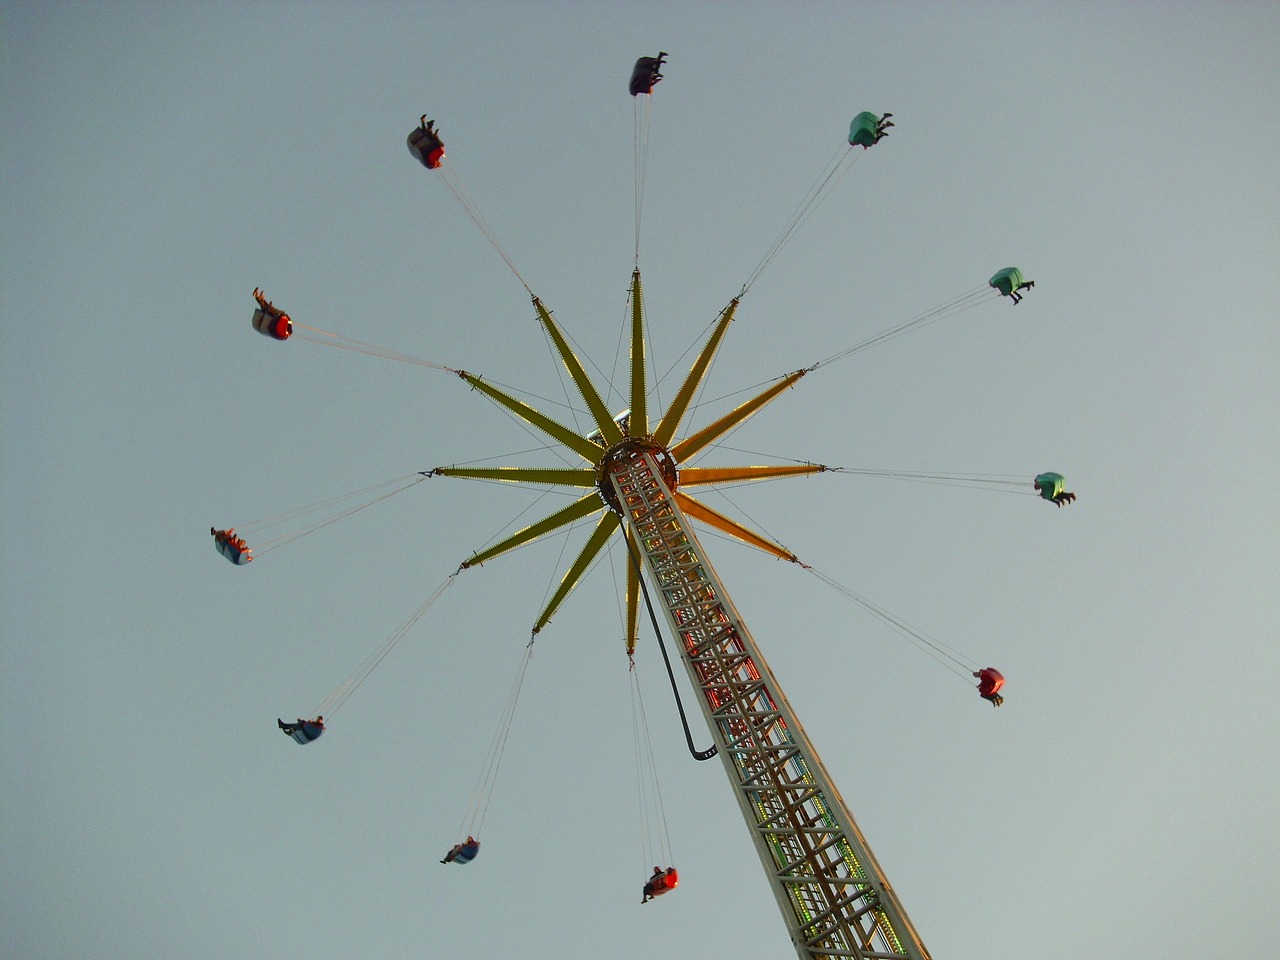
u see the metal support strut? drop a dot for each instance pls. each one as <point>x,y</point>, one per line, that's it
<point>829,887</point>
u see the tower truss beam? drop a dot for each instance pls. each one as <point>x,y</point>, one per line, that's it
<point>831,891</point>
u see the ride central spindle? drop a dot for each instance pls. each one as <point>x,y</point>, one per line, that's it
<point>832,893</point>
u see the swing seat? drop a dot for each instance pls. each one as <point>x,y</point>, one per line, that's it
<point>657,886</point>
<point>426,147</point>
<point>234,553</point>
<point>468,852</point>
<point>275,325</point>
<point>306,733</point>
<point>864,130</point>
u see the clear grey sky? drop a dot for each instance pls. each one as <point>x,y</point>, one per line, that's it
<point>159,161</point>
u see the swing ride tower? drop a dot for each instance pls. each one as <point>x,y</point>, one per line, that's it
<point>829,887</point>
<point>832,893</point>
<point>631,475</point>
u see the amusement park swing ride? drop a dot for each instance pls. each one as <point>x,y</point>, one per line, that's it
<point>633,479</point>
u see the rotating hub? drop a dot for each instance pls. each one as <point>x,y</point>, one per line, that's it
<point>625,452</point>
